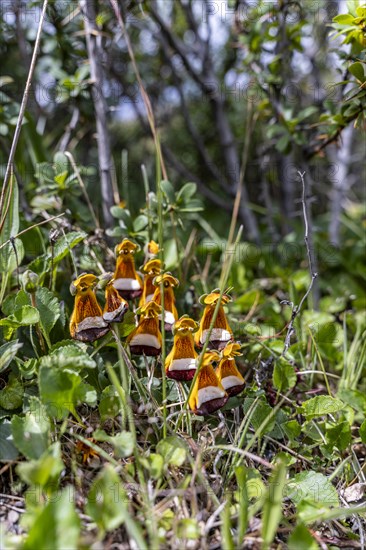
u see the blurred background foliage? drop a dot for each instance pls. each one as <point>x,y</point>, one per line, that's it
<point>244,94</point>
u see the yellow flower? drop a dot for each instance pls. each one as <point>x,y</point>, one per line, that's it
<point>151,250</point>
<point>146,337</point>
<point>86,323</point>
<point>170,311</point>
<point>221,333</point>
<point>115,307</point>
<point>180,364</point>
<point>151,269</point>
<point>208,394</point>
<point>126,280</point>
<point>227,371</point>
<point>87,452</point>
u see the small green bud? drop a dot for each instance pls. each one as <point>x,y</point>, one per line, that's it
<point>30,281</point>
<point>104,279</point>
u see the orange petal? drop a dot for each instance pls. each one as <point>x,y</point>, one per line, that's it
<point>115,306</point>
<point>230,377</point>
<point>208,394</point>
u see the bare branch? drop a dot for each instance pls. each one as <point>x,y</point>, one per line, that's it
<point>100,108</point>
<point>296,309</point>
<point>64,141</point>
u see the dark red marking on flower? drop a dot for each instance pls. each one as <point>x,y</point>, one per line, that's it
<point>145,350</point>
<point>211,406</point>
<point>181,375</point>
<point>234,390</point>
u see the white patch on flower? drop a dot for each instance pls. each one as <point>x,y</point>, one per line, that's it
<point>230,381</point>
<point>208,394</point>
<point>220,334</point>
<point>91,322</point>
<point>168,317</point>
<point>110,315</point>
<point>145,340</point>
<point>187,363</point>
<point>126,284</point>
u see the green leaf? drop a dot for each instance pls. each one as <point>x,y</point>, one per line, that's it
<point>22,317</point>
<point>58,525</point>
<point>72,356</point>
<point>188,529</point>
<point>344,19</point>
<point>156,465</point>
<point>274,130</point>
<point>283,144</point>
<point>60,178</point>
<point>170,254</point>
<point>49,309</point>
<point>260,414</point>
<point>300,539</point>
<point>86,393</point>
<point>59,390</point>
<point>339,436</point>
<point>122,214</point>
<point>173,449</point>
<point>140,223</point>
<point>31,433</point>
<point>128,324</point>
<point>186,192</point>
<point>47,305</point>
<point>123,442</point>
<point>255,487</point>
<point>292,429</point>
<point>284,376</point>
<point>312,487</point>
<point>363,431</point>
<point>354,398</point>
<point>310,513</point>
<point>241,475</point>
<point>247,300</point>
<point>109,405</point>
<point>7,353</point>
<point>321,405</point>
<point>168,191</point>
<point>11,397</point>
<point>10,229</point>
<point>272,508</point>
<point>356,69</point>
<point>307,112</point>
<point>45,471</point>
<point>116,232</point>
<point>65,243</point>
<point>8,258</point>
<point>60,162</point>
<point>107,500</point>
<point>8,451</point>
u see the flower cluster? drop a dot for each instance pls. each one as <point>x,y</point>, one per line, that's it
<point>154,288</point>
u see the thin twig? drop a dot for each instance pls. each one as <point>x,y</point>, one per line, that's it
<point>32,227</point>
<point>245,454</point>
<point>296,309</point>
<point>23,105</point>
<point>83,188</point>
